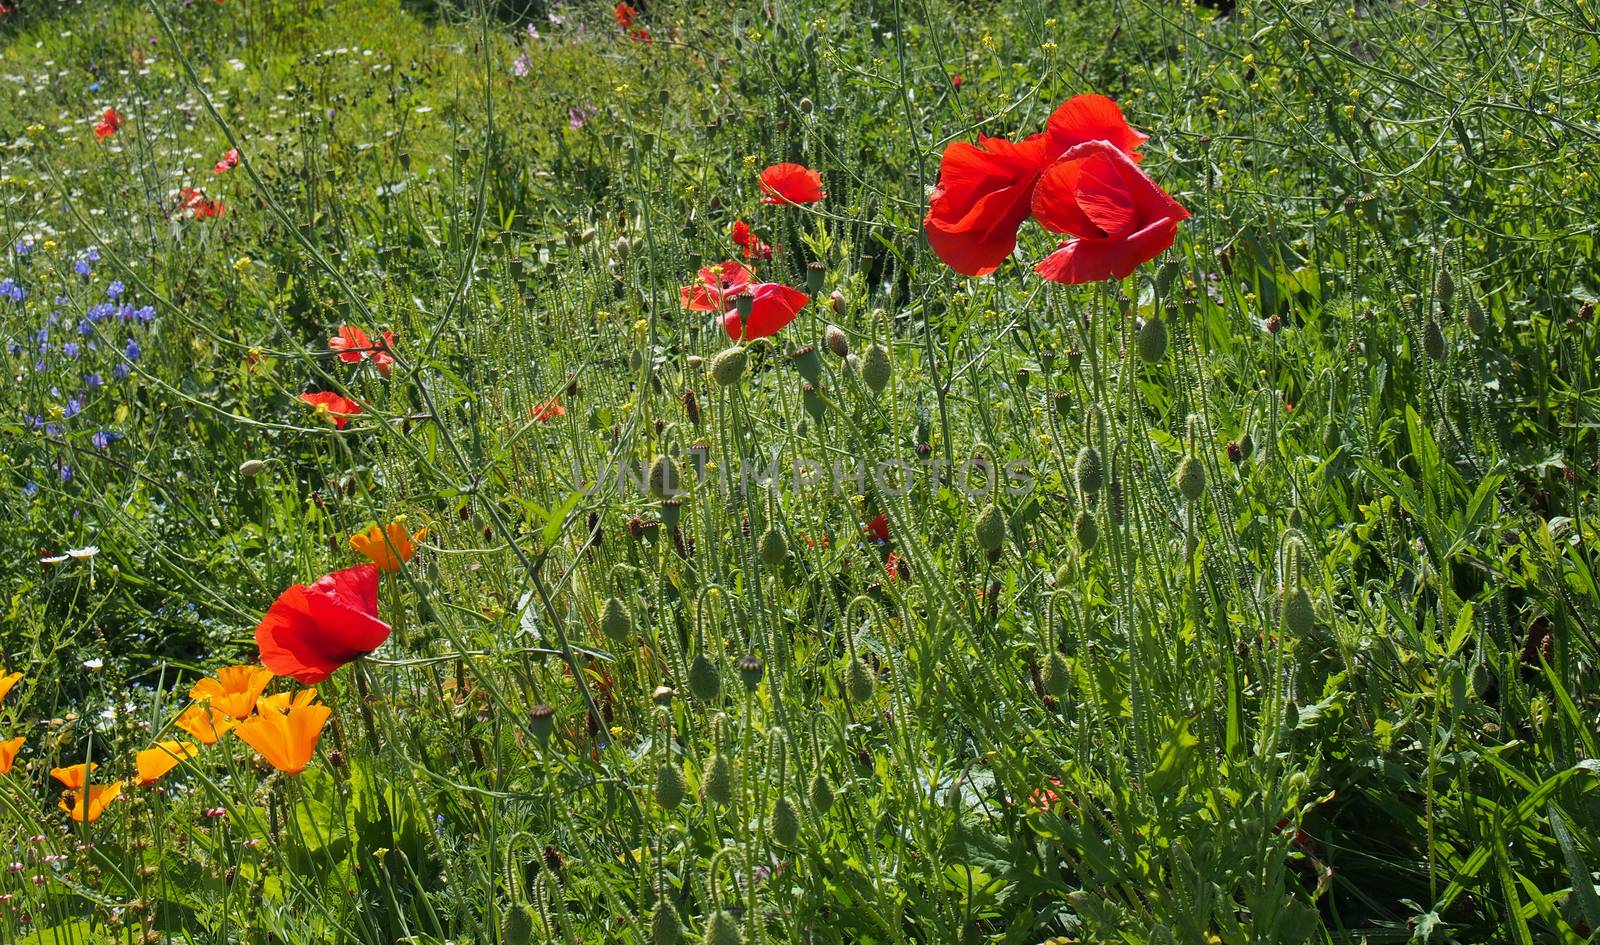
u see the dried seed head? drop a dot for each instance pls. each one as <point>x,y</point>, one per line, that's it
<point>691,405</point>
<point>728,367</point>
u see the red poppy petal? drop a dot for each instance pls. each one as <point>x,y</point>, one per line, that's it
<point>985,193</point>
<point>356,588</point>
<point>1091,118</point>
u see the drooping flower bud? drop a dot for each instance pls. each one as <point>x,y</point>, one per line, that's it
<point>516,928</point>
<point>990,528</point>
<point>836,340</point>
<point>1153,339</point>
<point>728,366</point>
<point>1056,675</point>
<point>665,929</point>
<point>785,822</point>
<point>774,549</point>
<point>1089,472</point>
<point>858,681</point>
<point>875,368</point>
<point>722,929</point>
<point>717,782</point>
<point>821,794</point>
<point>1477,318</point>
<point>705,682</point>
<point>252,467</point>
<point>1085,529</point>
<point>1190,478</point>
<point>670,786</point>
<point>615,622</point>
<point>665,480</point>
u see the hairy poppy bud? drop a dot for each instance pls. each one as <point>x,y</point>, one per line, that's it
<point>728,367</point>
<point>665,929</point>
<point>1444,289</point>
<point>785,822</point>
<point>1299,616</point>
<point>1055,675</point>
<point>542,719</point>
<point>774,549</point>
<point>1477,319</point>
<point>836,301</point>
<point>721,929</point>
<point>807,362</point>
<point>805,109</point>
<point>1433,340</point>
<point>1190,478</point>
<point>750,670</point>
<point>705,682</point>
<point>1086,530</point>
<point>615,622</point>
<point>717,782</point>
<point>990,528</point>
<point>665,479</point>
<point>1153,339</point>
<point>1089,472</point>
<point>517,926</point>
<point>252,467</point>
<point>858,681</point>
<point>836,340</point>
<point>875,368</point>
<point>821,794</point>
<point>670,786</point>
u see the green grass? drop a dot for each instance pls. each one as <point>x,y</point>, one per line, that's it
<point>1146,738</point>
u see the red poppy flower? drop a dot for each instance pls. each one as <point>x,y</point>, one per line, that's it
<point>878,528</point>
<point>229,161</point>
<point>746,239</point>
<point>791,183</point>
<point>313,629</point>
<point>352,343</point>
<point>383,354</point>
<point>110,123</point>
<point>625,15</point>
<point>337,409</point>
<point>956,80</point>
<point>717,287</point>
<point>194,203</point>
<point>985,191</point>
<point>892,565</point>
<point>773,306</point>
<point>1119,216</point>
<point>546,410</point>
<point>641,35</point>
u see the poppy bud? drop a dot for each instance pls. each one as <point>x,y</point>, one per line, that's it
<point>1085,530</point>
<point>615,622</point>
<point>718,779</point>
<point>815,273</point>
<point>665,480</point>
<point>1299,616</point>
<point>806,106</point>
<point>670,786</point>
<point>836,301</point>
<point>774,549</point>
<point>1190,478</point>
<point>721,929</point>
<point>1153,339</point>
<point>785,822</point>
<point>1481,680</point>
<point>665,929</point>
<point>1444,289</point>
<point>990,528</point>
<point>750,670</point>
<point>663,695</point>
<point>542,719</point>
<point>1477,319</point>
<point>1089,472</point>
<point>252,467</point>
<point>705,682</point>
<point>836,340</point>
<point>1055,675</point>
<point>858,681</point>
<point>517,926</point>
<point>1433,340</point>
<point>875,368</point>
<point>811,400</point>
<point>807,362</point>
<point>1235,452</point>
<point>729,365</point>
<point>1247,444</point>
<point>821,794</point>
<point>691,405</point>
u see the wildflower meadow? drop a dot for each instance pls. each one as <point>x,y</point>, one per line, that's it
<point>823,472</point>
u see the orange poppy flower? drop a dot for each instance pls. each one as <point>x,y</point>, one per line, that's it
<point>8,753</point>
<point>331,406</point>
<point>7,680</point>
<point>388,546</point>
<point>791,183</point>
<point>154,763</point>
<point>207,725</point>
<point>234,690</point>
<point>281,701</point>
<point>88,805</point>
<point>286,739</point>
<point>546,410</point>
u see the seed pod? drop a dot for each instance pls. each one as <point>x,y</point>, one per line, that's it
<point>542,719</point>
<point>721,929</point>
<point>1086,530</point>
<point>1056,675</point>
<point>718,780</point>
<point>671,511</point>
<point>875,368</point>
<point>811,400</point>
<point>1089,472</point>
<point>858,681</point>
<point>728,366</point>
<point>1477,318</point>
<point>1190,478</point>
<point>516,928</point>
<point>750,670</point>
<point>821,793</point>
<point>615,622</point>
<point>1153,339</point>
<point>815,273</point>
<point>785,822</point>
<point>252,467</point>
<point>990,528</point>
<point>807,362</point>
<point>836,340</point>
<point>670,786</point>
<point>774,548</point>
<point>1433,340</point>
<point>705,682</point>
<point>1299,616</point>
<point>1063,404</point>
<point>665,929</point>
<point>665,480</point>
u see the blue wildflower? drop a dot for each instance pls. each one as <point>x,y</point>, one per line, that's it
<point>65,473</point>
<point>132,351</point>
<point>30,489</point>
<point>70,349</point>
<point>122,371</point>
<point>82,268</point>
<point>104,438</point>
<point>115,289</point>
<point>93,381</point>
<point>73,408</point>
